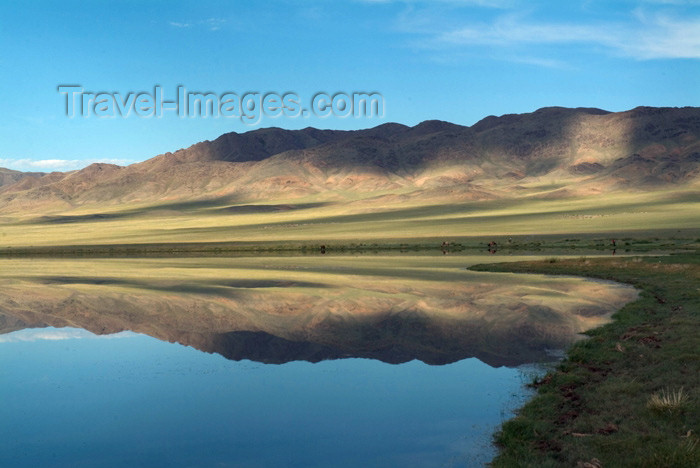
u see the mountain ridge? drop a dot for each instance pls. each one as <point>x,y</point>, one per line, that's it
<point>587,150</point>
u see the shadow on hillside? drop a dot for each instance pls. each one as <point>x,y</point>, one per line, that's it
<point>212,206</point>
<point>459,212</point>
<point>641,148</point>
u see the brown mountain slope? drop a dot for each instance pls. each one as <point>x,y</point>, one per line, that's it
<point>8,176</point>
<point>578,151</point>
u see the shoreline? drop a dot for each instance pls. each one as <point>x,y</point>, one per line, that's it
<point>593,409</point>
<point>497,245</point>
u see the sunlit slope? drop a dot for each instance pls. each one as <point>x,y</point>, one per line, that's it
<point>359,221</point>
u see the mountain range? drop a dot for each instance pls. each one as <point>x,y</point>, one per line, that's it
<point>553,152</point>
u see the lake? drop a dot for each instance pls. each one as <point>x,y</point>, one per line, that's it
<point>274,361</point>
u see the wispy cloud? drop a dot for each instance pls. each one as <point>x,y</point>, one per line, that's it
<point>26,164</point>
<point>508,31</point>
<point>673,2</point>
<point>214,24</point>
<point>210,24</point>
<point>644,36</point>
<point>480,3</point>
<point>663,37</point>
<point>648,38</point>
<point>539,61</point>
<point>179,25</point>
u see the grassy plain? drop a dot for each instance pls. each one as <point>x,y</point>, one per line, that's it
<point>649,215</point>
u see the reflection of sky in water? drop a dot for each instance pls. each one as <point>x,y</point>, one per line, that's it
<point>56,334</point>
<point>142,402</point>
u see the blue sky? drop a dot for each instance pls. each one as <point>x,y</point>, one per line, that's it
<point>455,60</point>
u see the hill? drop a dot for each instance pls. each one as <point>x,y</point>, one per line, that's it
<point>8,176</point>
<point>535,163</point>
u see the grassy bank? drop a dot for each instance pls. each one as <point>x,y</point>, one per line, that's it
<point>630,394</point>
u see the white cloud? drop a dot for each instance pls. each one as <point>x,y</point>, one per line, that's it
<point>212,24</point>
<point>509,31</point>
<point>43,165</point>
<point>644,37</point>
<point>480,3</point>
<point>664,37</point>
<point>538,61</point>
<point>674,2</point>
<point>179,25</point>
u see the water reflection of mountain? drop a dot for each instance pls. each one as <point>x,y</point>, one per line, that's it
<point>273,321</point>
<point>401,341</point>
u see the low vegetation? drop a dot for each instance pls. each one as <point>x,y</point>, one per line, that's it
<point>668,400</point>
<point>630,394</point>
<point>515,223</point>
<point>655,241</point>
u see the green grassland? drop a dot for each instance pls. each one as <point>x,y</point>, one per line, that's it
<point>643,215</point>
<point>601,405</point>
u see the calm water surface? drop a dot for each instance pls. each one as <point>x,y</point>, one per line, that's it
<point>137,401</point>
<point>274,362</point>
